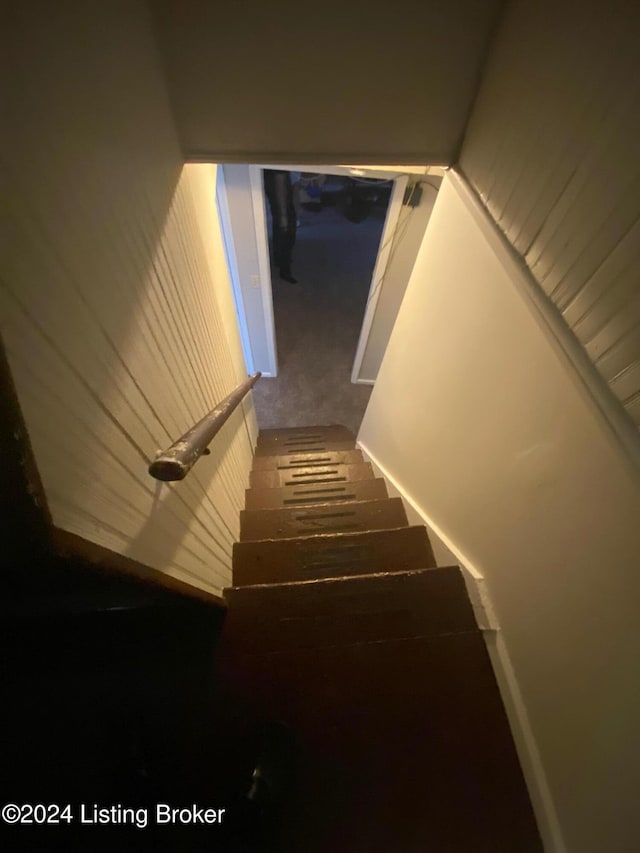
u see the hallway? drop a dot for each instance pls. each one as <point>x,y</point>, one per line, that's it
<point>318,322</point>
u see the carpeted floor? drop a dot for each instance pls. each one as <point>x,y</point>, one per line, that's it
<point>318,323</point>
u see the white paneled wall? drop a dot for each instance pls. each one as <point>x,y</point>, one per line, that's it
<point>553,150</point>
<point>116,308</point>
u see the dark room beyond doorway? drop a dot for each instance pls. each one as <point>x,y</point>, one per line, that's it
<point>339,223</point>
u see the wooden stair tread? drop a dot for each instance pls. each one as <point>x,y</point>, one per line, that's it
<point>319,446</point>
<point>364,608</point>
<point>335,555</point>
<point>301,460</point>
<point>325,474</point>
<point>400,739</point>
<point>295,522</point>
<point>310,494</point>
<point>287,435</point>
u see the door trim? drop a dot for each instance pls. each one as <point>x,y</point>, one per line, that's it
<point>377,277</point>
<point>264,266</point>
<point>232,266</point>
<point>394,207</point>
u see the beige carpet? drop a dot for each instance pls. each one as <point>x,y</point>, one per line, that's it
<point>318,323</point>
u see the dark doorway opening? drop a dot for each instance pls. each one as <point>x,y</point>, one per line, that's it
<point>339,223</point>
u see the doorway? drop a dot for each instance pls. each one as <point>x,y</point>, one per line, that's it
<point>258,289</point>
<point>319,318</point>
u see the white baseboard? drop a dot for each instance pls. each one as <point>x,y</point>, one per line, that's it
<point>444,551</point>
<point>447,553</point>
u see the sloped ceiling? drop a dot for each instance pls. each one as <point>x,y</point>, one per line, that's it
<point>336,81</point>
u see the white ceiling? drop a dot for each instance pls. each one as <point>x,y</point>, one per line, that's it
<point>323,82</point>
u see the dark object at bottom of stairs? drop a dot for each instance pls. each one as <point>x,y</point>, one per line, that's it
<point>257,816</point>
<point>274,774</point>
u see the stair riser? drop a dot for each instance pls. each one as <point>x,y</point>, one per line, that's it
<point>347,518</point>
<point>286,560</point>
<point>347,610</point>
<point>310,447</point>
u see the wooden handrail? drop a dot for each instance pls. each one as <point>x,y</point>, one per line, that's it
<point>176,462</point>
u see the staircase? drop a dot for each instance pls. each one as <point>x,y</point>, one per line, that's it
<point>340,625</point>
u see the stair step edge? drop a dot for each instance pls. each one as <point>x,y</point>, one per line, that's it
<point>359,533</point>
<point>320,503</point>
<point>273,449</point>
<point>302,538</point>
<point>338,578</point>
<point>362,503</point>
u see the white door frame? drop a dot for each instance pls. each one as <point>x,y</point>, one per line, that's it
<point>400,181</point>
<point>264,265</point>
<point>232,266</point>
<point>390,223</point>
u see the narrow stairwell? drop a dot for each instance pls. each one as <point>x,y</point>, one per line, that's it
<point>341,627</point>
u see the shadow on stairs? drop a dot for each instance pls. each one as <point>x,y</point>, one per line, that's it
<point>344,639</point>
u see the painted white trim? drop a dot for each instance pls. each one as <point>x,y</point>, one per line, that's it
<point>582,371</point>
<point>377,173</point>
<point>420,171</point>
<point>523,736</point>
<point>232,266</point>
<point>445,551</point>
<point>264,266</point>
<point>386,244</point>
<point>526,745</point>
